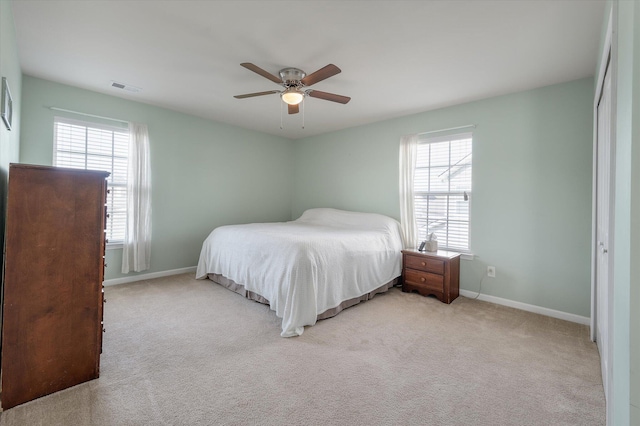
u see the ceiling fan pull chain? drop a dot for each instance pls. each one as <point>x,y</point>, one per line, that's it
<point>281,115</point>
<point>303,115</point>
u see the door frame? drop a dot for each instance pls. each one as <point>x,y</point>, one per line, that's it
<point>609,58</point>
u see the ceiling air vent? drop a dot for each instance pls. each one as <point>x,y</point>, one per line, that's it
<point>127,87</point>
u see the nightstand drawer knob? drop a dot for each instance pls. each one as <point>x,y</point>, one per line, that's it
<point>422,279</point>
<point>423,263</point>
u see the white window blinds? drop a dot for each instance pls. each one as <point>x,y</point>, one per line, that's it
<point>442,190</point>
<point>82,145</point>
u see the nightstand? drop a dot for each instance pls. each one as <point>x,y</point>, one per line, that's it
<point>428,273</point>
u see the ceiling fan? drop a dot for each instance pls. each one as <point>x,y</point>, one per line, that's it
<point>294,81</point>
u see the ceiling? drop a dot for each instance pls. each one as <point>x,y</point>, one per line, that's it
<point>397,57</point>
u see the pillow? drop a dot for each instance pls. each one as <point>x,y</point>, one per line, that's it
<point>346,219</point>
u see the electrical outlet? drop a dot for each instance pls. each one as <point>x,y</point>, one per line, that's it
<point>491,271</point>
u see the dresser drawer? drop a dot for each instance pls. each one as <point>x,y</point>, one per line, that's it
<point>424,279</point>
<point>424,264</point>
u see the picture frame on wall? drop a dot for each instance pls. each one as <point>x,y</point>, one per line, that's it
<point>6,108</point>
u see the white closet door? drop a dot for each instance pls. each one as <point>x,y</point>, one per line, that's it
<point>603,179</point>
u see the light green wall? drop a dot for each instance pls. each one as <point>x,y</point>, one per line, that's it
<point>626,269</point>
<point>205,174</point>
<point>622,220</point>
<point>10,69</point>
<point>9,140</point>
<point>531,202</point>
<point>634,354</point>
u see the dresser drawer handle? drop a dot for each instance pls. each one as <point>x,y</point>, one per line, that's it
<point>423,263</point>
<point>422,279</point>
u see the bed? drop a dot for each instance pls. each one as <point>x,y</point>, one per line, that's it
<point>307,269</point>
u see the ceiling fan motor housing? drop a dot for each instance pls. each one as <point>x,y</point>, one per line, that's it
<point>292,76</point>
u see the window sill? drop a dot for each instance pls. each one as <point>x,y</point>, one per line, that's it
<point>113,246</point>
<point>467,256</point>
<point>463,254</point>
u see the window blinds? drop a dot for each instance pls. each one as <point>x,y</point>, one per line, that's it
<point>81,145</point>
<point>442,188</point>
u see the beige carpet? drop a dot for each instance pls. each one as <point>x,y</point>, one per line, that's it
<point>183,352</point>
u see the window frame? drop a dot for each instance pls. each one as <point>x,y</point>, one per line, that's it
<point>440,138</point>
<point>111,244</point>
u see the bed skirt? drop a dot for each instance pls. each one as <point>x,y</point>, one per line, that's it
<point>239,288</point>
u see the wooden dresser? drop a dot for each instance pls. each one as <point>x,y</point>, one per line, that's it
<point>429,273</point>
<point>54,268</point>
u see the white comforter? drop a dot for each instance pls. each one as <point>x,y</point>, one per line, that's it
<point>309,265</point>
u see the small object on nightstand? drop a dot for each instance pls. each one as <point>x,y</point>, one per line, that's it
<point>432,243</point>
<point>435,274</point>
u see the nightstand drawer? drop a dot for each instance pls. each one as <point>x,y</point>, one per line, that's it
<point>425,279</point>
<point>424,264</point>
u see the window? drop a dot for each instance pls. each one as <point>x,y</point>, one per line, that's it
<point>81,145</point>
<point>442,188</point>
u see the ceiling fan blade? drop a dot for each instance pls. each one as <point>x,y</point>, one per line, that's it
<point>258,70</point>
<point>251,95</point>
<point>294,109</point>
<point>321,74</point>
<point>329,96</point>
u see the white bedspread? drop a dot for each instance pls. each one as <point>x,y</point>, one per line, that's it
<point>308,265</point>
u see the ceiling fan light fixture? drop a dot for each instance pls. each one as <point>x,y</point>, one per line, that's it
<point>292,96</point>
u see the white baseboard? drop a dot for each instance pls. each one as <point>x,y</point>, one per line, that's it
<point>149,276</point>
<point>529,308</point>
